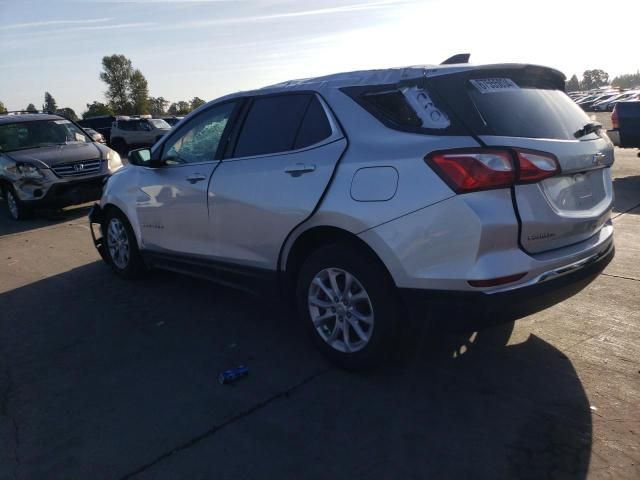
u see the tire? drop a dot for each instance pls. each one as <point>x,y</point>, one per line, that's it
<point>16,208</point>
<point>379,306</point>
<point>121,246</point>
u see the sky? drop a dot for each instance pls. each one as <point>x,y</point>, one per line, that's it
<point>209,48</point>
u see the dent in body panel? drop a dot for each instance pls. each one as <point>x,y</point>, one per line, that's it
<point>122,191</point>
<point>443,245</point>
<point>255,204</point>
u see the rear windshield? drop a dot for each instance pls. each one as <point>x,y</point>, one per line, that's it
<point>518,103</point>
<point>530,112</point>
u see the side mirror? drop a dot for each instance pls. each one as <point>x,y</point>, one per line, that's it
<point>97,137</point>
<point>142,158</point>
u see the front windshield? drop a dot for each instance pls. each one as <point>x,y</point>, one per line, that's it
<point>39,133</point>
<point>159,123</point>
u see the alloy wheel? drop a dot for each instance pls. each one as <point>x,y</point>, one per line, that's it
<point>118,243</point>
<point>341,310</point>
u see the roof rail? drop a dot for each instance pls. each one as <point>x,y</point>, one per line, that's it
<point>17,112</point>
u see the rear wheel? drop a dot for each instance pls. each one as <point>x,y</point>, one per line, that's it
<point>121,247</point>
<point>349,306</point>
<point>16,208</point>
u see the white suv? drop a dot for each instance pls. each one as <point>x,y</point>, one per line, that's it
<point>369,195</point>
<point>135,132</point>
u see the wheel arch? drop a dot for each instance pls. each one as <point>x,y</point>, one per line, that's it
<point>316,237</point>
<point>109,205</point>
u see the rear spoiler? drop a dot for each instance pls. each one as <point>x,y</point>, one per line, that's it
<point>459,58</point>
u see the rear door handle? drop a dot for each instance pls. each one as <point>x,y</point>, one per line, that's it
<point>195,178</point>
<point>298,169</point>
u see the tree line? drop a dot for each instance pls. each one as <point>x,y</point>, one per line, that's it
<point>127,94</point>
<point>599,78</point>
<point>49,105</point>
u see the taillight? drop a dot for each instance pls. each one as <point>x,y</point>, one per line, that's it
<point>471,170</point>
<point>614,118</point>
<point>535,166</point>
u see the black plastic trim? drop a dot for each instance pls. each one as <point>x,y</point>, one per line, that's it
<point>260,281</point>
<point>471,308</point>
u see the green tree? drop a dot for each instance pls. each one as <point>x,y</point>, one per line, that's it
<point>97,109</point>
<point>158,106</point>
<point>629,80</point>
<point>196,102</point>
<point>180,108</point>
<point>138,93</point>
<point>573,84</point>
<point>3,109</point>
<point>117,72</point>
<point>49,103</point>
<point>31,108</point>
<point>594,78</point>
<point>68,113</point>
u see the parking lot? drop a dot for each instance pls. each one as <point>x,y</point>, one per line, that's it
<point>106,378</point>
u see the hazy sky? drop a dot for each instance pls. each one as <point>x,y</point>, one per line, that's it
<point>208,48</point>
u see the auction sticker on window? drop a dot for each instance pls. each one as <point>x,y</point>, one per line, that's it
<point>61,122</point>
<point>493,85</point>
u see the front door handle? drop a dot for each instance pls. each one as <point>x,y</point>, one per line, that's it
<point>298,169</point>
<point>195,178</point>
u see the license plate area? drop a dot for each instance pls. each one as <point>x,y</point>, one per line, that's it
<point>576,193</point>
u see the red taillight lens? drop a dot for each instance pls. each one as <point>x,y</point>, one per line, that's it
<point>471,170</point>
<point>614,118</point>
<point>535,166</point>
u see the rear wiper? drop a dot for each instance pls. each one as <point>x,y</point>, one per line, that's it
<point>590,127</point>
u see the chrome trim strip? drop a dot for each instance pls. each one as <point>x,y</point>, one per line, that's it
<point>558,272</point>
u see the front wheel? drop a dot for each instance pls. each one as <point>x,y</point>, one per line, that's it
<point>16,208</point>
<point>349,305</point>
<point>121,247</point>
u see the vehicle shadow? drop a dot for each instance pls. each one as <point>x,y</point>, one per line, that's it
<point>40,218</point>
<point>627,194</point>
<point>109,375</point>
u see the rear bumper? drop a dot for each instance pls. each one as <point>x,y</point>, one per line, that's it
<point>469,309</point>
<point>614,136</point>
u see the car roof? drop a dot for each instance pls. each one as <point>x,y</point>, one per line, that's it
<point>374,77</point>
<point>27,117</point>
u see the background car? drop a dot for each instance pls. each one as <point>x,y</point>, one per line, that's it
<point>95,136</point>
<point>133,132</point>
<point>49,161</point>
<point>101,124</point>
<point>625,121</point>
<point>172,120</point>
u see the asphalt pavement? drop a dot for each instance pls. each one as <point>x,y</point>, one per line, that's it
<point>102,378</point>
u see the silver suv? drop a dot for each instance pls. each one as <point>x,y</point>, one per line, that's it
<point>135,132</point>
<point>373,197</point>
<point>48,161</point>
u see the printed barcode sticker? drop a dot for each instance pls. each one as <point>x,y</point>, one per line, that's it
<point>492,85</point>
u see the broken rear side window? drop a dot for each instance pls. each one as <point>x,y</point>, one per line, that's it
<point>408,108</point>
